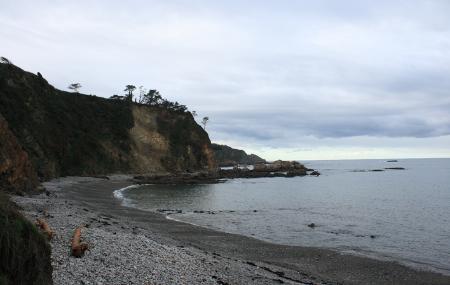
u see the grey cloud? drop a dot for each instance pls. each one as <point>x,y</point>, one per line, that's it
<point>265,72</point>
<point>289,128</point>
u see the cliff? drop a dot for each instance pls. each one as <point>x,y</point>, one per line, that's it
<point>24,252</point>
<point>227,156</point>
<point>16,172</point>
<point>65,133</point>
<point>47,133</point>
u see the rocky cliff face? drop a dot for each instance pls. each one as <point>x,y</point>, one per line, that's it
<point>24,252</point>
<point>162,142</point>
<point>16,172</point>
<point>73,134</point>
<point>46,133</point>
<point>227,156</point>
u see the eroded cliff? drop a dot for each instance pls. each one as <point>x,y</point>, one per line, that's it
<point>47,133</point>
<point>16,172</point>
<point>66,133</point>
<point>164,142</point>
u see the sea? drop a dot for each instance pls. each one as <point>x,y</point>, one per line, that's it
<point>400,215</point>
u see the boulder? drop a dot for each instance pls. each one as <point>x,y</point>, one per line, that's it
<point>296,172</point>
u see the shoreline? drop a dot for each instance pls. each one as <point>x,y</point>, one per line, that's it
<point>168,214</point>
<point>230,258</point>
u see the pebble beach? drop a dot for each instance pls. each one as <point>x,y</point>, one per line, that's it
<point>122,253</point>
<point>129,246</point>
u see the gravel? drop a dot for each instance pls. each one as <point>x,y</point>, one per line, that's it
<point>120,252</point>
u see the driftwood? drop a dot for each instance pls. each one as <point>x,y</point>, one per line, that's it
<point>78,247</point>
<point>43,225</point>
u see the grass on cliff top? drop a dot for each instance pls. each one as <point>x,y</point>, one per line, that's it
<point>24,252</point>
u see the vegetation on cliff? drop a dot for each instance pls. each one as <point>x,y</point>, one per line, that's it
<point>227,156</point>
<point>16,172</point>
<point>47,133</point>
<point>74,134</point>
<point>24,252</point>
<point>179,131</point>
<point>62,132</point>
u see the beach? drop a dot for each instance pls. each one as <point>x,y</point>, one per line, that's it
<point>130,246</point>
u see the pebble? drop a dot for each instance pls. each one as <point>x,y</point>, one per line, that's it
<point>124,253</point>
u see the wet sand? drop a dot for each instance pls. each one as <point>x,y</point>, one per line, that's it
<point>287,264</point>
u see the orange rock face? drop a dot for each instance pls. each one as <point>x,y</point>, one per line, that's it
<point>16,171</point>
<point>210,157</point>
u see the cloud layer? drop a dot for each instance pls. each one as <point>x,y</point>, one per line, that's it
<point>268,74</point>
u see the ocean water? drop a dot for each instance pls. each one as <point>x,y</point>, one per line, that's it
<point>401,215</point>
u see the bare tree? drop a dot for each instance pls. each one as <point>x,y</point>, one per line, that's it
<point>142,92</point>
<point>74,87</point>
<point>204,122</point>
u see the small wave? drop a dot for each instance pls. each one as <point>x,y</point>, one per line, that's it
<point>119,193</point>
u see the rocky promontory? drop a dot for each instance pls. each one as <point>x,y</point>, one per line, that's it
<point>277,168</point>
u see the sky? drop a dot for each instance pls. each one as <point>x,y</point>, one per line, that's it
<point>286,79</point>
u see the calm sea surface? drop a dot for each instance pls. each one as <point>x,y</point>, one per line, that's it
<point>402,215</point>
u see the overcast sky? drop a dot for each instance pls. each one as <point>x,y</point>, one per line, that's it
<point>295,79</point>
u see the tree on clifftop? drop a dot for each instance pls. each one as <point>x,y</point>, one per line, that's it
<point>204,122</point>
<point>130,89</point>
<point>74,87</point>
<point>142,92</point>
<point>4,60</point>
<point>152,98</point>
